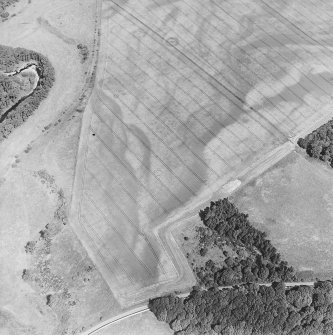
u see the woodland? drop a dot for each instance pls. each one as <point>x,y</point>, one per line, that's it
<point>247,294</point>
<point>10,60</point>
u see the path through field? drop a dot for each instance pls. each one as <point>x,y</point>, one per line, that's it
<point>188,94</point>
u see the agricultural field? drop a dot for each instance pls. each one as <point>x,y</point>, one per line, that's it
<point>293,202</point>
<point>157,107</point>
<point>188,96</point>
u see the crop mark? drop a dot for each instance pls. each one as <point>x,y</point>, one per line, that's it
<point>204,93</point>
<point>178,87</point>
<point>111,225</point>
<point>249,21</point>
<point>289,23</point>
<point>236,73</point>
<point>172,131</point>
<point>102,257</point>
<point>165,145</point>
<point>123,187</point>
<point>210,76</point>
<point>272,36</point>
<point>133,175</point>
<point>287,87</point>
<point>169,111</point>
<point>197,67</point>
<point>134,226</point>
<point>111,151</point>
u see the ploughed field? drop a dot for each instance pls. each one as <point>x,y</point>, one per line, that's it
<point>188,94</point>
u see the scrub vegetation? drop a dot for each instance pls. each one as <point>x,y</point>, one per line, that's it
<point>3,5</point>
<point>10,60</point>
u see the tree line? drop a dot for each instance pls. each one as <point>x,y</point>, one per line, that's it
<point>250,309</point>
<point>11,57</point>
<point>261,263</point>
<point>319,143</point>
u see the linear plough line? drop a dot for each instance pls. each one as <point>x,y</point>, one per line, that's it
<point>305,75</point>
<point>111,151</point>
<point>117,232</point>
<point>327,3</point>
<point>177,101</point>
<point>171,130</point>
<point>215,135</point>
<point>296,27</point>
<point>255,75</point>
<point>316,43</point>
<point>136,180</point>
<point>251,108</point>
<point>315,4</point>
<point>79,212</point>
<point>81,178</point>
<point>123,187</point>
<point>218,83</point>
<point>141,234</point>
<point>214,102</point>
<point>125,215</point>
<point>148,191</point>
<point>174,116</point>
<point>272,36</point>
<point>265,67</point>
<point>87,224</point>
<point>286,46</point>
<point>160,160</point>
<point>116,180</point>
<point>267,70</point>
<point>163,142</point>
<point>193,99</point>
<point>197,68</point>
<point>235,72</point>
<point>132,252</point>
<point>120,268</point>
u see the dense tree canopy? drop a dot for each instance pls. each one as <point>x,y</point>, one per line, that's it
<point>9,60</point>
<point>319,144</point>
<point>249,308</point>
<point>254,309</point>
<point>9,92</point>
<point>263,263</point>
